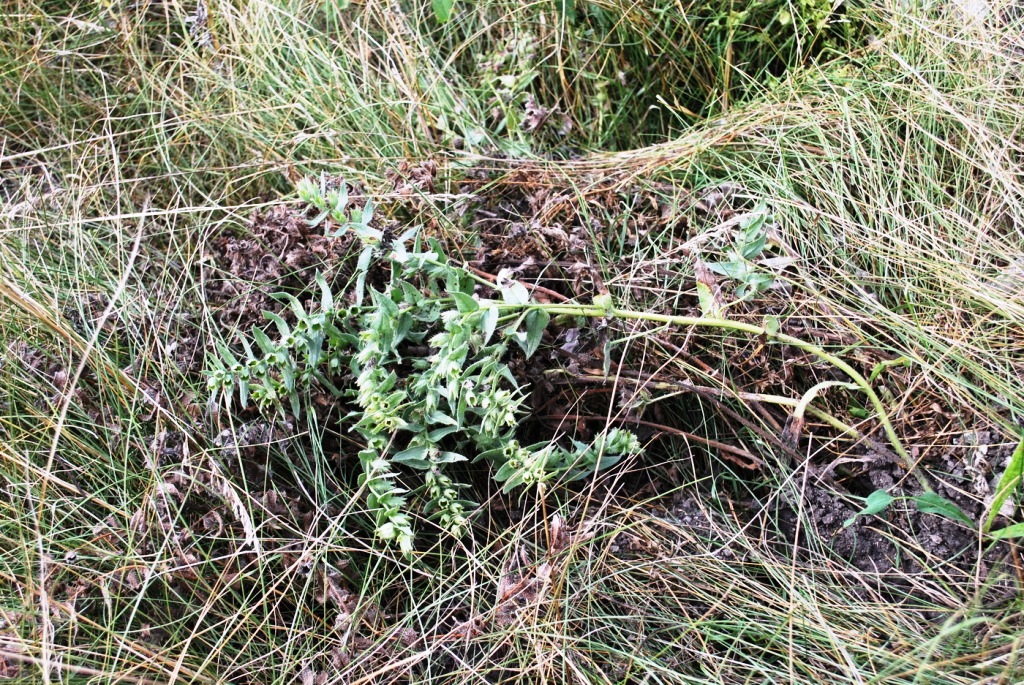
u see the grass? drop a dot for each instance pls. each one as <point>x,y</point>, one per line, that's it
<point>146,537</point>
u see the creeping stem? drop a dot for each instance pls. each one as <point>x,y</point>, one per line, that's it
<point>739,326</point>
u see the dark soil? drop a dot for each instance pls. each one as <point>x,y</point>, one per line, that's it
<point>280,252</point>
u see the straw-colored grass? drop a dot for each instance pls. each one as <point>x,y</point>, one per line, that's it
<point>136,545</point>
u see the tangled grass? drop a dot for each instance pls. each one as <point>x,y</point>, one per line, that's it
<point>146,537</point>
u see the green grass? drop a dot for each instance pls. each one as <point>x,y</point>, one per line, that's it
<point>133,545</point>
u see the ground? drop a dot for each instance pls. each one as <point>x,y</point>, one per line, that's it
<point>837,186</point>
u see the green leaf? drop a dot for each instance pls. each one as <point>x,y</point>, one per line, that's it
<point>367,215</point>
<point>706,300</point>
<point>326,296</point>
<point>413,458</point>
<point>1009,481</point>
<point>440,418</point>
<point>876,502</point>
<point>248,350</point>
<point>518,336</point>
<point>465,303</point>
<point>435,246</point>
<point>408,235</point>
<point>443,10</point>
<point>411,295</point>
<point>1014,531</point>
<point>490,455</point>
<point>514,482</point>
<point>754,247</point>
<point>450,458</point>
<point>362,266</point>
<point>225,353</point>
<point>307,190</point>
<point>505,472</point>
<point>536,321</point>
<point>858,412</point>
<point>760,280</point>
<point>293,304</point>
<point>318,219</point>
<point>438,434</point>
<point>932,503</point>
<point>753,222</point>
<point>263,341</point>
<point>403,326</point>
<point>282,325</point>
<point>488,322</point>
<point>338,199</point>
<point>604,301</point>
<point>735,270</point>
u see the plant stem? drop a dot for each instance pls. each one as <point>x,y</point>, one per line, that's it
<point>741,327</point>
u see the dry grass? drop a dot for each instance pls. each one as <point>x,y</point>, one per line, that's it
<point>147,538</point>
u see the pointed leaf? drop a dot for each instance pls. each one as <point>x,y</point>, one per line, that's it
<point>536,321</point>
<point>1014,531</point>
<point>515,293</point>
<point>263,341</point>
<point>450,458</point>
<point>367,215</point>
<point>438,434</point>
<point>319,218</point>
<point>706,300</point>
<point>465,303</point>
<point>225,353</point>
<point>754,247</point>
<point>735,270</point>
<point>281,324</point>
<point>876,502</point>
<point>1009,481</point>
<point>340,197</point>
<point>326,296</point>
<point>414,457</point>
<point>505,472</point>
<point>441,418</point>
<point>932,503</point>
<point>488,322</point>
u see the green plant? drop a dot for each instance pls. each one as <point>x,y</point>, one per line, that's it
<point>427,412</point>
<point>1010,481</point>
<point>932,503</point>
<point>113,104</point>
<point>748,244</point>
<point>422,411</point>
<point>927,503</point>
